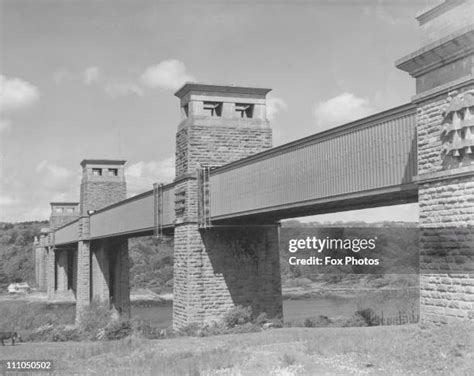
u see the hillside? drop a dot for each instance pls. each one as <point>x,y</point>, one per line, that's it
<point>16,252</point>
<point>151,261</point>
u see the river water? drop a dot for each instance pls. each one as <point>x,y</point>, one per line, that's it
<point>299,309</point>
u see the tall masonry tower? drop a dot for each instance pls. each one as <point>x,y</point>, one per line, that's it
<point>102,264</point>
<point>443,68</point>
<point>220,124</point>
<point>62,213</point>
<point>216,268</point>
<point>103,183</point>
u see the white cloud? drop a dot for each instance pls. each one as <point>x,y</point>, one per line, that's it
<point>141,175</point>
<point>91,76</point>
<point>168,74</point>
<point>340,109</point>
<point>55,182</point>
<point>51,182</point>
<point>112,87</point>
<point>55,170</point>
<point>120,89</point>
<point>275,105</point>
<point>16,93</point>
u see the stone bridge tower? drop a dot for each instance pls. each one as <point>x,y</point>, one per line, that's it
<point>62,263</point>
<point>218,267</point>
<point>58,262</point>
<point>102,264</point>
<point>444,71</point>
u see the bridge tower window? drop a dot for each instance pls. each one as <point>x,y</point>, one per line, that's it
<point>112,172</point>
<point>212,108</point>
<point>97,172</point>
<point>244,110</point>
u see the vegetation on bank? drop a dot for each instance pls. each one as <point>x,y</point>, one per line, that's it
<point>40,321</point>
<point>16,252</point>
<point>387,350</point>
<point>151,261</point>
<point>151,264</point>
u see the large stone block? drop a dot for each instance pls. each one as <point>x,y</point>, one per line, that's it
<point>61,270</point>
<point>443,70</point>
<point>83,293</point>
<point>50,273</point>
<point>219,268</point>
<point>100,271</point>
<point>121,278</point>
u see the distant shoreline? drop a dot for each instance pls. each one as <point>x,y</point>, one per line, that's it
<point>145,297</point>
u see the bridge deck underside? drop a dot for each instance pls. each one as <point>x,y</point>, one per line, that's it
<point>367,163</point>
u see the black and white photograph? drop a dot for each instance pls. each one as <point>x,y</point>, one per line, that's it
<point>236,187</point>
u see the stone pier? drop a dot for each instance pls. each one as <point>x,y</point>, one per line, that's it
<point>40,254</point>
<point>51,273</point>
<point>102,264</point>
<point>219,268</point>
<point>58,261</point>
<point>444,71</point>
<point>216,268</point>
<point>110,274</point>
<point>83,287</point>
<point>62,270</point>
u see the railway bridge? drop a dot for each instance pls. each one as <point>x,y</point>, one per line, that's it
<point>232,188</point>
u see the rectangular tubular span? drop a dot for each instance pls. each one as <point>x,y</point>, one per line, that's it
<point>376,154</point>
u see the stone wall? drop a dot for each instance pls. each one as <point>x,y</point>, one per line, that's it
<point>83,279</point>
<point>120,267</point>
<point>100,271</point>
<point>438,22</point>
<point>74,269</point>
<point>431,157</point>
<point>217,146</point>
<point>218,268</point>
<point>102,265</point>
<point>83,288</point>
<point>56,221</point>
<point>36,258</point>
<point>446,216</point>
<point>50,273</point>
<point>62,270</point>
<point>40,267</point>
<point>96,195</point>
<point>443,69</point>
<point>110,274</point>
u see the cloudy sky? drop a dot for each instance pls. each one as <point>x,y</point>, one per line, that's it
<point>95,79</point>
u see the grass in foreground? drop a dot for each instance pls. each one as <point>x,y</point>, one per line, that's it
<point>396,350</point>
